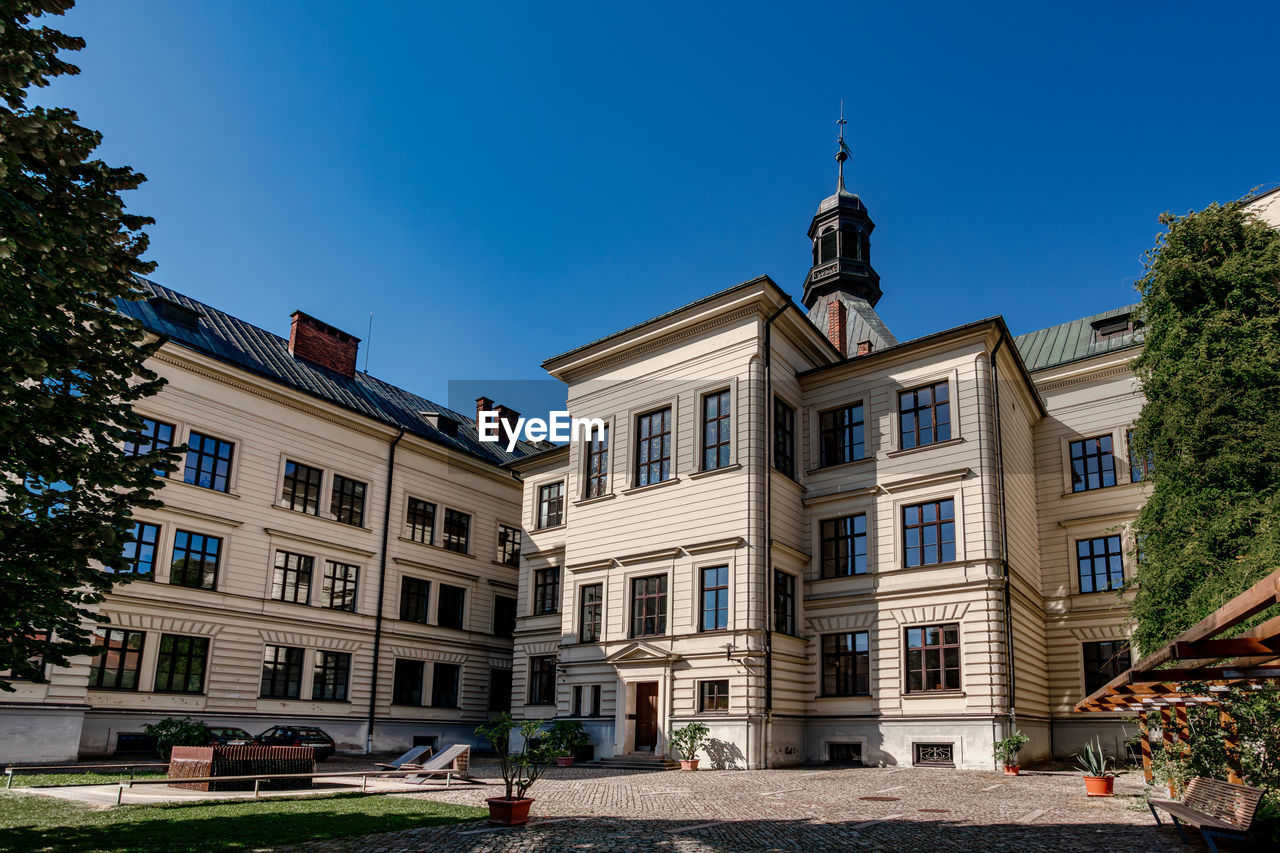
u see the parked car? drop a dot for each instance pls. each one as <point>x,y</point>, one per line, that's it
<point>229,736</point>
<point>300,736</point>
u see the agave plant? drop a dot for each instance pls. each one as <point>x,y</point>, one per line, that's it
<point>1093,761</point>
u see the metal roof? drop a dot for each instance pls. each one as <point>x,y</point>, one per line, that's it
<point>240,344</point>
<point>1068,342</point>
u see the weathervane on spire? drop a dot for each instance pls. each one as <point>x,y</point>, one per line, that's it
<point>842,153</point>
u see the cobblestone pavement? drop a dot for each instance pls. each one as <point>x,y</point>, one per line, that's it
<point>888,809</point>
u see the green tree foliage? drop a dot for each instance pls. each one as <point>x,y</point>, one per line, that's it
<point>1210,371</point>
<point>72,366</point>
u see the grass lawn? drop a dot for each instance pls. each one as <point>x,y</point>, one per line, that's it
<point>52,780</point>
<point>30,823</point>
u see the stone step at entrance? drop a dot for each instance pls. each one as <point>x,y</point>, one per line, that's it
<point>636,761</point>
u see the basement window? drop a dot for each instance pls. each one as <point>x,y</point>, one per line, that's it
<point>934,755</point>
<point>844,753</point>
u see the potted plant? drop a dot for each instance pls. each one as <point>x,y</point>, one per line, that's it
<point>567,737</point>
<point>519,770</point>
<point>687,741</point>
<point>1098,781</point>
<point>1007,751</point>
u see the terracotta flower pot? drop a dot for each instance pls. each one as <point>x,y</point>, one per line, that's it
<point>1012,769</point>
<point>564,761</point>
<point>686,764</point>
<point>512,811</point>
<point>1099,786</point>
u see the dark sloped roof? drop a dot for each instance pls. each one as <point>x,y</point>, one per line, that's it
<point>258,351</point>
<point>1068,342</point>
<point>864,324</point>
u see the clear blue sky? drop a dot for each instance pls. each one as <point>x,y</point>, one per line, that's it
<point>500,182</point>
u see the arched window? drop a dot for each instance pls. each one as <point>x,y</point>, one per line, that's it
<point>827,251</point>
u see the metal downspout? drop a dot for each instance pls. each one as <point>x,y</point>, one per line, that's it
<point>1003,529</point>
<point>767,489</point>
<point>382,590</point>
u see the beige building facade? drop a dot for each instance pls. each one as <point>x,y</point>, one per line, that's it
<point>828,545</point>
<point>319,515</point>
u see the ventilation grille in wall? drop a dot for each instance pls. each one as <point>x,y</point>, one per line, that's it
<point>934,755</point>
<point>844,753</point>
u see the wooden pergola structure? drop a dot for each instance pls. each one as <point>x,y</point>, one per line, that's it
<point>1196,665</point>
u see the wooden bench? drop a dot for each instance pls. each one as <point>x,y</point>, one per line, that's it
<point>1214,807</point>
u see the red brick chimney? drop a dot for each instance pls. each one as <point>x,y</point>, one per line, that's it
<point>322,344</point>
<point>506,417</point>
<point>483,404</point>
<point>837,317</point>
<point>865,347</point>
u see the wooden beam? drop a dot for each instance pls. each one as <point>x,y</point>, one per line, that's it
<point>1232,743</point>
<point>1166,729</point>
<point>1218,649</point>
<point>1145,731</point>
<point>1211,674</point>
<point>1184,731</point>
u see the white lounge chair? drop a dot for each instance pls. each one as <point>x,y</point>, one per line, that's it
<point>413,758</point>
<point>453,762</point>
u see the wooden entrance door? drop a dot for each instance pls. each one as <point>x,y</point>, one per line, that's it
<point>646,715</point>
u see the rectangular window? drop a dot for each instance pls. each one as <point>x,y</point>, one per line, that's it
<point>653,447</point>
<point>929,533</point>
<point>924,415</point>
<point>499,690</point>
<point>415,594</point>
<point>542,680</point>
<point>347,501</point>
<point>504,616</point>
<point>546,591</point>
<point>784,602</point>
<point>329,681</point>
<point>406,683</point>
<point>1100,563</point>
<point>117,667</point>
<point>35,664</point>
<point>208,462</point>
<point>577,700</point>
<point>933,658</point>
<point>841,435</point>
<point>596,690</point>
<point>452,607</point>
<point>140,551</point>
<point>509,545</point>
<point>291,580</point>
<point>551,505</point>
<point>339,585</point>
<point>784,438</point>
<point>421,519</point>
<point>181,663</point>
<point>715,599</point>
<point>1139,469</point>
<point>154,435</point>
<point>1093,464</point>
<point>846,664</point>
<point>713,696</point>
<point>1103,661</point>
<point>301,490</point>
<point>649,606</point>
<point>445,678</point>
<point>589,620</point>
<point>195,560</point>
<point>717,432</point>
<point>281,672</point>
<point>457,531</point>
<point>598,463</point>
<point>844,546</point>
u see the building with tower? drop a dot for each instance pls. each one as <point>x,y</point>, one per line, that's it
<point>829,545</point>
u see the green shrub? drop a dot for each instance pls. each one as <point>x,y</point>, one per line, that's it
<point>177,731</point>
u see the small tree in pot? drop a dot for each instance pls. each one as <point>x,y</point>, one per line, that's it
<point>1098,780</point>
<point>566,737</point>
<point>519,769</point>
<point>687,741</point>
<point>1007,751</point>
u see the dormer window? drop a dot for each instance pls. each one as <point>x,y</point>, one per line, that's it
<point>176,313</point>
<point>1114,327</point>
<point>827,245</point>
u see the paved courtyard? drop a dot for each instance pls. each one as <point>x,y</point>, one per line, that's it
<point>890,809</point>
